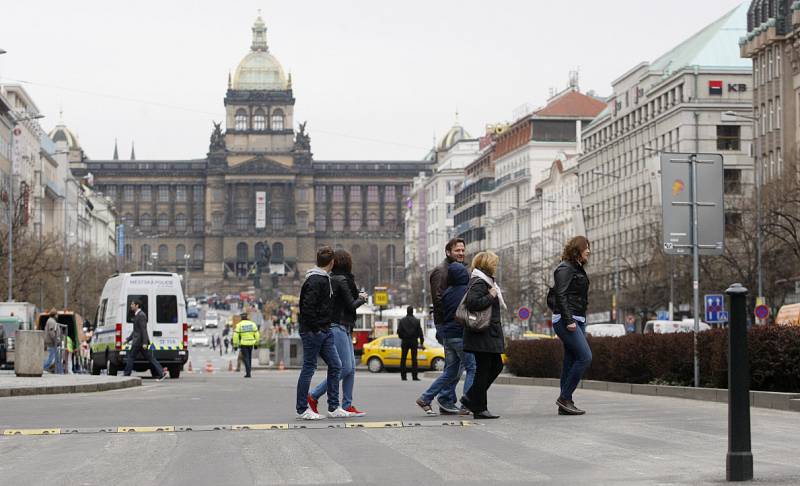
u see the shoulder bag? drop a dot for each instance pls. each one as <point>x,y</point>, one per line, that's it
<point>474,321</point>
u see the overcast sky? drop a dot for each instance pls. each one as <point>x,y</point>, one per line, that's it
<point>374,79</point>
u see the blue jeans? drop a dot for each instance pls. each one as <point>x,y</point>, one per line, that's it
<point>455,361</point>
<point>318,344</point>
<point>344,347</point>
<point>577,356</point>
<point>52,355</point>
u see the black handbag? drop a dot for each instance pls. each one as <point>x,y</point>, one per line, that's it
<point>477,321</point>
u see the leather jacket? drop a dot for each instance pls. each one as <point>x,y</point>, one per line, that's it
<point>571,290</point>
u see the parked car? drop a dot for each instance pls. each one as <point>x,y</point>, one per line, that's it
<point>197,326</point>
<point>605,329</point>
<point>788,315</point>
<point>667,327</point>
<point>211,322</point>
<point>199,340</point>
<point>10,326</point>
<point>192,311</point>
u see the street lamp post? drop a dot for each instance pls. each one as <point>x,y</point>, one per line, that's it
<point>758,177</point>
<point>616,242</point>
<point>11,205</point>
<point>186,273</point>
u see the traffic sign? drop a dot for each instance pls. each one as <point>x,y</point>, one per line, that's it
<point>723,316</point>
<point>762,311</point>
<point>524,313</point>
<point>381,296</point>
<point>662,315</point>
<point>715,304</point>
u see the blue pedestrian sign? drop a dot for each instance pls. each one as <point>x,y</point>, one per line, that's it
<point>723,316</point>
<point>715,306</point>
<point>662,315</point>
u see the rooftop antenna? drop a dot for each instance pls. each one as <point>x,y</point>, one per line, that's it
<point>574,77</point>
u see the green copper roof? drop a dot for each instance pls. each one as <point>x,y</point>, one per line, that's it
<point>716,46</point>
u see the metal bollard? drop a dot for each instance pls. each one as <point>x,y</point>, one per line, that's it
<point>739,461</point>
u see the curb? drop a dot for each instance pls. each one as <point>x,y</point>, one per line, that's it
<point>118,384</point>
<point>760,399</point>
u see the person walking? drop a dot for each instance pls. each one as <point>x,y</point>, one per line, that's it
<point>213,342</point>
<point>455,359</point>
<point>455,250</point>
<point>52,341</point>
<point>409,331</point>
<point>346,299</point>
<point>140,343</point>
<point>488,344</point>
<point>571,291</point>
<point>219,344</point>
<point>227,343</point>
<point>246,337</point>
<point>316,301</point>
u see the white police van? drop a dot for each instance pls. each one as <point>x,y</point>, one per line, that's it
<point>162,300</point>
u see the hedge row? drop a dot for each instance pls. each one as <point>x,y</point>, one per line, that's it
<point>667,358</point>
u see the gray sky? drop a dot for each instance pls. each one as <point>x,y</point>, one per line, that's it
<point>374,79</point>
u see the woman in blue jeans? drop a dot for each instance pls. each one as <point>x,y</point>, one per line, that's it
<point>571,291</point>
<point>346,299</point>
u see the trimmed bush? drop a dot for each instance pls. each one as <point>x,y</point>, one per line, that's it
<point>668,359</point>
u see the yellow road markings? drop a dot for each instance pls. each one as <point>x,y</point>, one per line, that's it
<point>32,432</point>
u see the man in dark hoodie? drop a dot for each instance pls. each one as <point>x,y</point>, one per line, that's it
<point>452,335</point>
<point>455,250</point>
<point>316,299</point>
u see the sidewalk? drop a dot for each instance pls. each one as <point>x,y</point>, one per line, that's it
<point>14,386</point>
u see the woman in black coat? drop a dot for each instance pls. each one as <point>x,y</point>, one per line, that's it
<point>486,345</point>
<point>569,319</point>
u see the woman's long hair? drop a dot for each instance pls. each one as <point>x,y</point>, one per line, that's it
<point>573,249</point>
<point>342,261</point>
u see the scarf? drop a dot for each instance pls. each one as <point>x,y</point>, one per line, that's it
<point>323,273</point>
<point>489,280</point>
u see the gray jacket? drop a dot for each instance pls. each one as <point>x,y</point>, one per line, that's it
<point>52,333</point>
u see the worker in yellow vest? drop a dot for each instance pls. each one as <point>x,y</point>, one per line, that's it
<point>246,337</point>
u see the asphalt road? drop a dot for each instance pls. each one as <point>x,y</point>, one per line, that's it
<point>624,439</point>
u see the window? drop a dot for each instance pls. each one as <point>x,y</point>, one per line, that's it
<point>778,112</point>
<point>145,221</point>
<point>732,181</point>
<point>277,120</point>
<point>146,194</point>
<point>779,168</point>
<point>197,253</point>
<point>180,222</point>
<point>302,221</point>
<point>372,194</point>
<point>372,221</point>
<point>199,194</point>
<point>763,119</point>
<point>242,220</point>
<point>141,299</point>
<point>338,222</point>
<point>389,194</point>
<point>163,193</point>
<point>728,137</point>
<point>320,221</point>
<point>101,313</point>
<point>216,220</point>
<point>769,64</point>
<point>355,222</point>
<point>111,191</point>
<point>733,223</point>
<point>771,115</point>
<point>167,309</point>
<point>391,343</point>
<point>163,253</point>
<point>180,193</point>
<point>338,194</point>
<point>180,253</point>
<point>128,193</point>
<point>277,221</point>
<point>319,194</point>
<point>390,222</point>
<point>163,221</point>
<point>145,254</point>
<point>240,120</point>
<point>355,193</point>
<point>259,120</point>
<point>199,221</point>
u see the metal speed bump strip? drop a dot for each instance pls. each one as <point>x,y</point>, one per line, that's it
<point>260,427</point>
<point>32,432</point>
<point>165,428</point>
<point>373,425</point>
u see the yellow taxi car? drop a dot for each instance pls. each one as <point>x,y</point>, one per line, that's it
<point>535,335</point>
<point>384,352</point>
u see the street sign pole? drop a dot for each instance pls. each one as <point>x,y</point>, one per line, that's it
<point>695,269</point>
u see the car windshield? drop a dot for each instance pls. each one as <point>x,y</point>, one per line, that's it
<point>432,343</point>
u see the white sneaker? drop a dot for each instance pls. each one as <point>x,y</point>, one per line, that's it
<point>339,413</point>
<point>309,415</point>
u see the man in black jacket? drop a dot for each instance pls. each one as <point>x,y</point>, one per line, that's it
<point>410,331</point>
<point>140,342</point>
<point>455,250</point>
<point>316,301</point>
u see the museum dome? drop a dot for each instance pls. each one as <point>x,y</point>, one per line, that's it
<point>259,70</point>
<point>63,134</point>
<point>455,135</point>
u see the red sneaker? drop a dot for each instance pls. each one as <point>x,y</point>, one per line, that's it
<point>312,402</point>
<point>354,412</point>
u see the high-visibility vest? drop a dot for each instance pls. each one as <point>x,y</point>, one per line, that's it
<point>246,334</point>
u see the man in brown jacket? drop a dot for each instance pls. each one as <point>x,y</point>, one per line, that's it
<point>455,250</point>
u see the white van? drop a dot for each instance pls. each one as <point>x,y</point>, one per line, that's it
<point>162,300</point>
<point>666,327</point>
<point>605,329</point>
